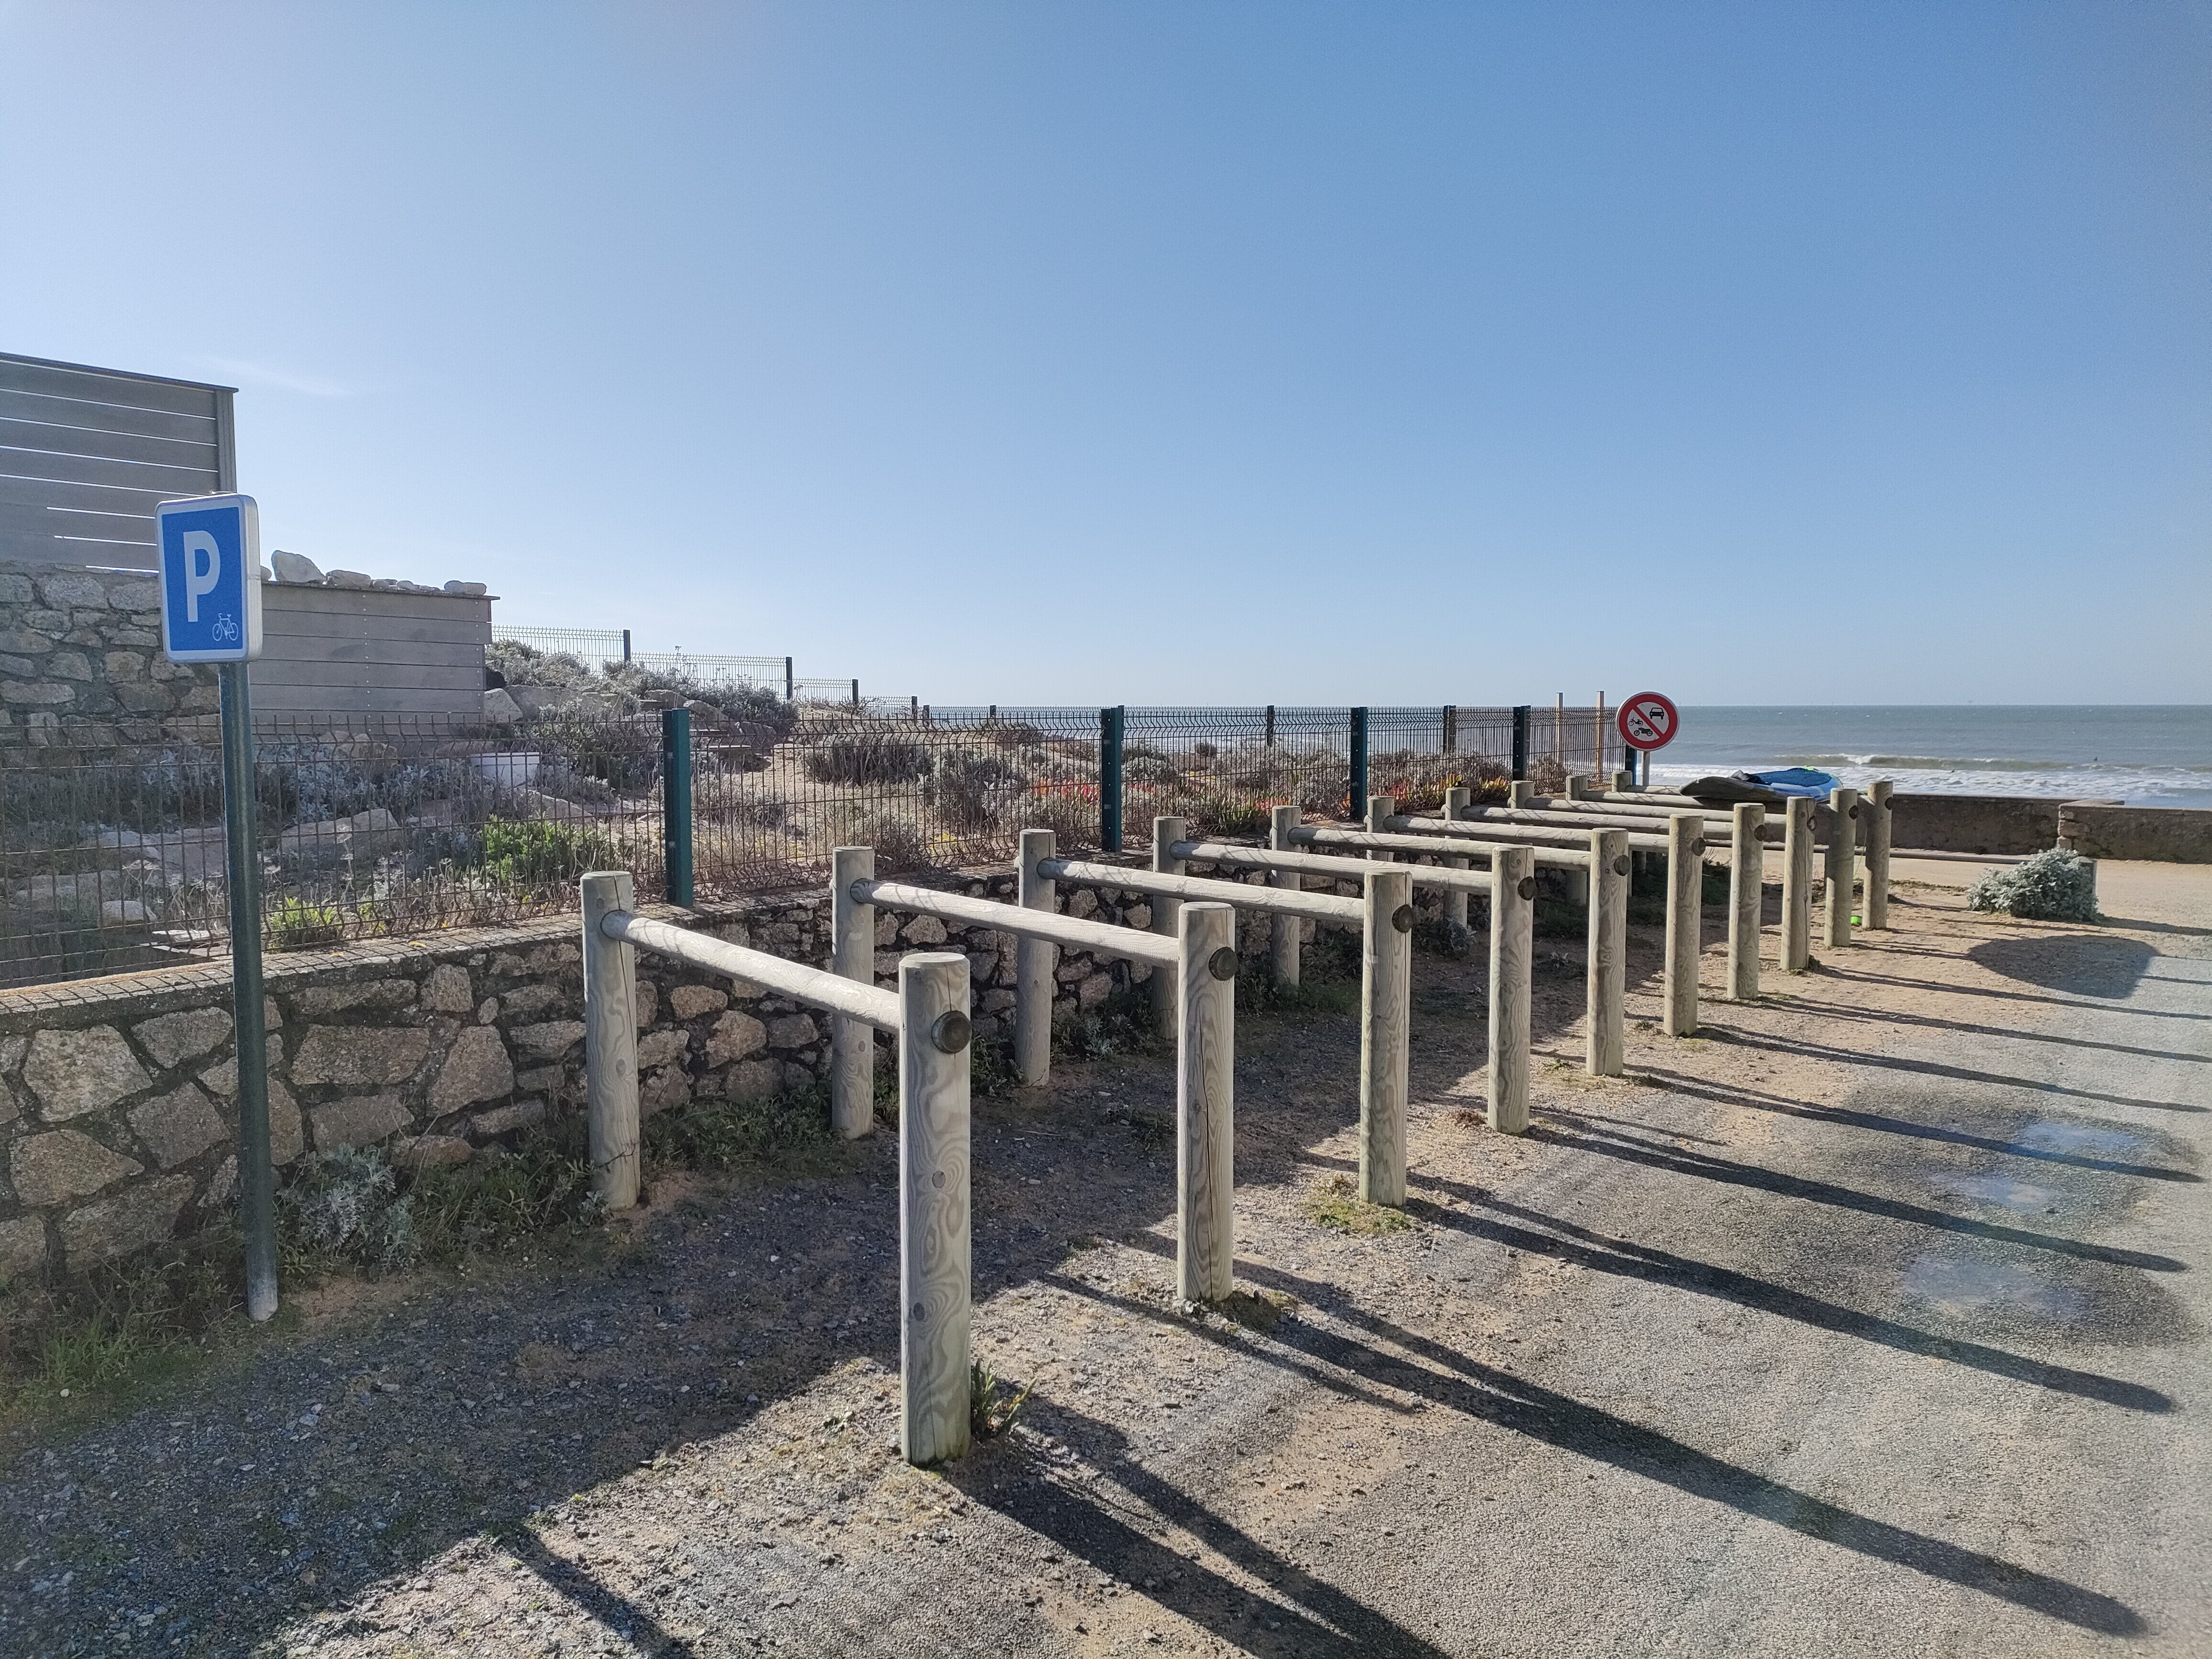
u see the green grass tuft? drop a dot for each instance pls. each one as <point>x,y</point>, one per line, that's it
<point>1338,1206</point>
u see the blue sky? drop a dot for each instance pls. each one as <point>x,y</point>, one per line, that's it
<point>1152,352</point>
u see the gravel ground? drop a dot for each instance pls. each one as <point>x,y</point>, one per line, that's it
<point>1871,1322</point>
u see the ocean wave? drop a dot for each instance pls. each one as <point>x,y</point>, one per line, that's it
<point>1991,763</point>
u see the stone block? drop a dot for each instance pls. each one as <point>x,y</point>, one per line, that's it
<point>735,1035</point>
<point>134,595</point>
<point>689,1001</point>
<point>364,1121</point>
<point>506,1119</point>
<point>662,1049</point>
<point>124,667</point>
<point>129,1221</point>
<point>923,930</point>
<point>36,693</point>
<point>996,1002</point>
<point>62,1164</point>
<point>753,1079</point>
<point>1083,902</point>
<point>223,1078</point>
<point>659,1090</point>
<point>527,1001</point>
<point>649,1003</point>
<point>173,1039</point>
<point>177,1127</point>
<point>486,1011</point>
<point>1094,990</point>
<point>376,996</point>
<point>76,1072</point>
<point>70,589</point>
<point>477,1068</point>
<point>358,1056</point>
<point>288,1136</point>
<point>1137,915</point>
<point>446,990</point>
<point>69,665</point>
<point>792,1031</point>
<point>22,1248</point>
<point>430,1151</point>
<point>551,1040</point>
<point>24,640</point>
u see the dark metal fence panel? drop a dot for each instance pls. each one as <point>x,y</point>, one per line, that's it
<point>112,855</point>
<point>112,852</point>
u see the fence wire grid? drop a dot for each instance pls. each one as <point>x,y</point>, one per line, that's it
<point>113,857</point>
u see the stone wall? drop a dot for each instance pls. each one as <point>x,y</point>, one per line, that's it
<point>117,1096</point>
<point>82,649</point>
<point>2171,835</point>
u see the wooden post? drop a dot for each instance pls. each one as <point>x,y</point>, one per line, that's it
<point>1381,809</point>
<point>1206,1119</point>
<point>1574,787</point>
<point>1605,1016</point>
<point>852,956</point>
<point>1875,813</point>
<point>1843,858</point>
<point>1597,767</point>
<point>610,1041</point>
<point>1524,792</point>
<point>1034,961</point>
<point>1512,934</point>
<point>1624,782</point>
<point>1455,805</point>
<point>1386,975</point>
<point>934,1215</point>
<point>1284,932</point>
<point>1747,895</point>
<point>1797,885</point>
<point>1166,832</point>
<point>1685,883</point>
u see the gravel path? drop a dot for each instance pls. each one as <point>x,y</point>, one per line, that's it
<point>1871,1322</point>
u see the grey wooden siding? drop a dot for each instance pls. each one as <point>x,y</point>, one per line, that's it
<point>85,453</point>
<point>335,650</point>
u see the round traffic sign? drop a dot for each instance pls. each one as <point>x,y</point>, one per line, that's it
<point>1649,721</point>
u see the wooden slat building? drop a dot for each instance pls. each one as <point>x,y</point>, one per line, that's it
<point>85,454</point>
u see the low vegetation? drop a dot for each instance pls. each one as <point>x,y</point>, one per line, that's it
<point>2052,886</point>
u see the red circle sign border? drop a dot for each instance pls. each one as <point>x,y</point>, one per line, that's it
<point>1630,705</point>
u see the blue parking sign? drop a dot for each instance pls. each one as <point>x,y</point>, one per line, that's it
<point>211,578</point>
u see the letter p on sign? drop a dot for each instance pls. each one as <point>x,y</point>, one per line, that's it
<point>203,568</point>
<point>211,549</point>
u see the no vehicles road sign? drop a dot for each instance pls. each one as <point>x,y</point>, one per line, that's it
<point>1649,721</point>
<point>211,578</point>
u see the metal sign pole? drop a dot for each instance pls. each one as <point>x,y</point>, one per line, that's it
<point>257,1194</point>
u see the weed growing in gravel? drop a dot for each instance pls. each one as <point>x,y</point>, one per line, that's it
<point>1336,1205</point>
<point>990,1412</point>
<point>1121,1024</point>
<point>790,1131</point>
<point>494,1202</point>
<point>120,1325</point>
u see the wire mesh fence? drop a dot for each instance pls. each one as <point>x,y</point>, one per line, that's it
<point>111,853</point>
<point>112,856</point>
<point>589,645</point>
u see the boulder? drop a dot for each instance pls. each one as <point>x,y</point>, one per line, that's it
<point>348,578</point>
<point>446,991</point>
<point>295,567</point>
<point>429,1151</point>
<point>500,708</point>
<point>506,1119</point>
<point>552,1040</point>
<point>465,590</point>
<point>662,1049</point>
<point>689,1001</point>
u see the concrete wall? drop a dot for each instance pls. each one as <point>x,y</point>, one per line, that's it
<point>2170,835</point>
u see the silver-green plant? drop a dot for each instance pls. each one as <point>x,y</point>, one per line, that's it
<point>2052,886</point>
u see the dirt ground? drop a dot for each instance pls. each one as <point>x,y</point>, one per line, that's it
<point>1872,1320</point>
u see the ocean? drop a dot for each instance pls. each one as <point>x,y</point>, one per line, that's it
<point>2144,755</point>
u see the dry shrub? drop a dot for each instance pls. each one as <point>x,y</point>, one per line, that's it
<point>1548,776</point>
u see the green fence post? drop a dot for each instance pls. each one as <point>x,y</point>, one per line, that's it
<point>1356,808</point>
<point>675,802</point>
<point>1521,741</point>
<point>1110,779</point>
